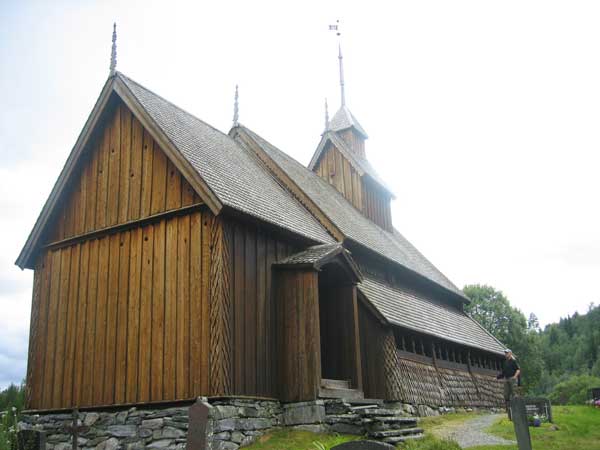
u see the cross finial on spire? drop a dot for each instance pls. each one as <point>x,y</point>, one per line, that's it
<point>326,116</point>
<point>236,108</point>
<point>113,53</point>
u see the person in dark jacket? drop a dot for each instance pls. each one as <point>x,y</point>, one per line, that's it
<point>510,373</point>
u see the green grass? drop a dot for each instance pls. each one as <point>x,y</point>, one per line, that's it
<point>578,429</point>
<point>299,440</point>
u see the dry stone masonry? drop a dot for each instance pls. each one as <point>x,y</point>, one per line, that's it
<point>232,423</point>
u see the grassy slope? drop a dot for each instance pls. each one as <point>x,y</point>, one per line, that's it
<point>579,429</point>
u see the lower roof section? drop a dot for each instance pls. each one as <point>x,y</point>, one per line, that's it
<point>409,310</point>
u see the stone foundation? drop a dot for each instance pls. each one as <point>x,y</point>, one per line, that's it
<point>232,423</point>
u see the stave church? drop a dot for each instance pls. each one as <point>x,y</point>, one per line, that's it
<point>174,261</point>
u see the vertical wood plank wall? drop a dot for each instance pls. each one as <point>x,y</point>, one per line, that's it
<point>252,251</point>
<point>122,317</point>
<point>298,334</point>
<point>123,176</point>
<point>372,357</point>
<point>117,317</point>
<point>362,193</point>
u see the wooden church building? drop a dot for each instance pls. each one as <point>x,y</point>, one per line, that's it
<point>173,261</point>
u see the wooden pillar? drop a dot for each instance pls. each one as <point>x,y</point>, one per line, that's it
<point>299,350</point>
<point>220,310</point>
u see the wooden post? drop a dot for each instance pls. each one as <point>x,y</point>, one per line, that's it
<point>519,418</point>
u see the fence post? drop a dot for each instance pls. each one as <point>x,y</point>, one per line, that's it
<point>520,422</point>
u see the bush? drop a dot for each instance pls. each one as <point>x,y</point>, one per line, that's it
<point>574,390</point>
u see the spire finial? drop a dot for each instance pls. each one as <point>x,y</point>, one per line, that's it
<point>343,92</point>
<point>338,33</point>
<point>326,116</point>
<point>236,108</point>
<point>113,53</point>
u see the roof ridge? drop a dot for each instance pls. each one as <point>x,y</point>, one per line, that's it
<point>122,75</point>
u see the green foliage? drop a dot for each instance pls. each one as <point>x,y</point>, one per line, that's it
<point>12,400</point>
<point>572,346</point>
<point>574,390</point>
<point>493,311</point>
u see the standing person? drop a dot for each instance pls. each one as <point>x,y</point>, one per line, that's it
<point>510,373</point>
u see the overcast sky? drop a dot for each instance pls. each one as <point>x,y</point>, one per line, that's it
<point>483,118</point>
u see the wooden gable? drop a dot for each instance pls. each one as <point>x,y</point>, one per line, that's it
<point>122,176</point>
<point>361,191</point>
<point>123,267</point>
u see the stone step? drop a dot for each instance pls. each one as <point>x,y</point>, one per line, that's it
<point>349,395</point>
<point>376,412</point>
<point>388,420</point>
<point>363,402</point>
<point>395,433</point>
<point>335,384</point>
<point>398,439</point>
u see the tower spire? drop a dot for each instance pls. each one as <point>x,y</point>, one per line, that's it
<point>341,59</point>
<point>236,108</point>
<point>113,53</point>
<point>326,116</point>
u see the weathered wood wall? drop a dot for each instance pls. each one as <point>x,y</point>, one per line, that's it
<point>372,354</point>
<point>360,191</point>
<point>124,317</point>
<point>123,176</point>
<point>120,309</point>
<point>297,299</point>
<point>337,171</point>
<point>252,250</point>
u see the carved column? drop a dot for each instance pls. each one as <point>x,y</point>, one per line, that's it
<point>220,309</point>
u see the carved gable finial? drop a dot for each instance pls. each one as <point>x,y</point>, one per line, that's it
<point>113,53</point>
<point>326,116</point>
<point>236,108</point>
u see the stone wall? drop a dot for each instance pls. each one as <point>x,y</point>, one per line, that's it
<point>232,423</point>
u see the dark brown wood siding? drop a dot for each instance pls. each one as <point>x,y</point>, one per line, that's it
<point>123,176</point>
<point>298,334</point>
<point>252,251</point>
<point>371,339</point>
<point>359,190</point>
<point>115,317</point>
<point>334,168</point>
<point>120,310</point>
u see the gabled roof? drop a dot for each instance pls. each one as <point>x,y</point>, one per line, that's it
<point>412,311</point>
<point>344,119</point>
<point>222,172</point>
<point>318,256</point>
<point>354,225</point>
<point>361,165</point>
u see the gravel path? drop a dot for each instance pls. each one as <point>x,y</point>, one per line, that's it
<point>471,432</point>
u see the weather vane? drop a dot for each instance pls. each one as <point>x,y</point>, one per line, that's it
<point>338,33</point>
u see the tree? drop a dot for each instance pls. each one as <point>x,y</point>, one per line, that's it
<point>494,312</point>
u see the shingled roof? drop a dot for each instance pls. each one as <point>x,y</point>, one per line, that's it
<point>229,175</point>
<point>409,310</point>
<point>344,119</point>
<point>234,174</point>
<point>353,224</point>
<point>361,165</point>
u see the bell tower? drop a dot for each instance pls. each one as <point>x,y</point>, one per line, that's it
<point>341,160</point>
